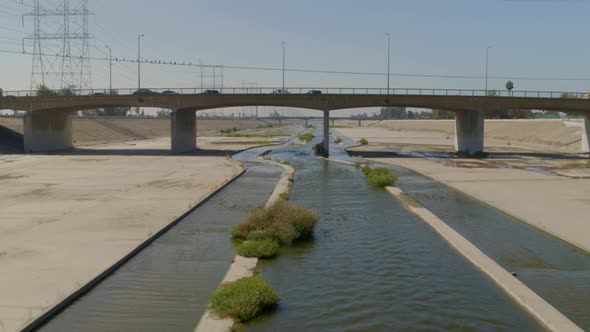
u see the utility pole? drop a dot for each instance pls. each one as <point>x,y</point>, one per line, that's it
<point>487,51</point>
<point>139,63</point>
<point>110,70</point>
<point>388,58</point>
<point>283,65</point>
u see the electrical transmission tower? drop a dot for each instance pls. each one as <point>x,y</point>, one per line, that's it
<point>61,49</point>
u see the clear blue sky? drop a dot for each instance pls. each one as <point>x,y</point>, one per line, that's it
<point>448,37</point>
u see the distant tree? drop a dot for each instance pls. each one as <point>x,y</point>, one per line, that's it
<point>442,115</point>
<point>44,91</point>
<point>388,113</point>
<point>509,87</point>
<point>520,114</point>
<point>568,95</point>
<point>163,113</point>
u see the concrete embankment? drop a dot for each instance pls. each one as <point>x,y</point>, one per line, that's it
<point>242,267</point>
<point>545,313</point>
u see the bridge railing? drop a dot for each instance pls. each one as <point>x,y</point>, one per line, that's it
<point>296,90</point>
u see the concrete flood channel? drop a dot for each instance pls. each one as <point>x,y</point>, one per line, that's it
<point>372,266</point>
<point>166,287</point>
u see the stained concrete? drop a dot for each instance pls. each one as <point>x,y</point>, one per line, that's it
<point>469,130</point>
<point>184,131</point>
<point>47,131</point>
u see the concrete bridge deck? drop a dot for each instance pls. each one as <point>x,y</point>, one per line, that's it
<point>48,125</point>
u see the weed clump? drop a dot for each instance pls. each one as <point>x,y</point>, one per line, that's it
<point>380,177</point>
<point>306,137</point>
<point>281,222</point>
<point>244,299</point>
<point>363,141</point>
<point>263,248</point>
<point>284,196</point>
<point>338,140</point>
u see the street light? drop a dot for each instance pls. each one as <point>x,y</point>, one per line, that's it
<point>487,51</point>
<point>388,58</point>
<point>139,63</point>
<point>110,70</point>
<point>283,66</point>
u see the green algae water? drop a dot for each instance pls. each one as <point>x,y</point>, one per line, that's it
<point>373,266</point>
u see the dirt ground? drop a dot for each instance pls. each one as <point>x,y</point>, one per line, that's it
<point>66,217</point>
<point>88,131</point>
<point>531,135</point>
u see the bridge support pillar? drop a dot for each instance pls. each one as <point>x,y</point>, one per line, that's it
<point>469,130</point>
<point>326,134</point>
<point>586,134</point>
<point>184,130</point>
<point>46,131</point>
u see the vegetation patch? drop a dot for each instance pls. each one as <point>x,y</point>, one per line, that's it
<point>363,141</point>
<point>244,299</point>
<point>258,135</point>
<point>380,177</point>
<point>306,137</point>
<point>264,248</point>
<point>358,165</point>
<point>284,196</point>
<point>281,222</point>
<point>286,162</point>
<point>338,140</point>
<point>229,130</point>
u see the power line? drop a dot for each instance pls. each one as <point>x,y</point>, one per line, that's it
<point>317,71</point>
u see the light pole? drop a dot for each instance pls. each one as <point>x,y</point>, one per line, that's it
<point>487,51</point>
<point>139,63</point>
<point>110,70</point>
<point>283,66</point>
<point>388,58</point>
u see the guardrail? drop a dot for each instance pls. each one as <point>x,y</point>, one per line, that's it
<point>350,91</point>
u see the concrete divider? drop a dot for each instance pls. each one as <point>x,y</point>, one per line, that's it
<point>544,312</point>
<point>243,267</point>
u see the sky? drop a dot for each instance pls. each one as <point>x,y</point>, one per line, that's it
<point>528,38</point>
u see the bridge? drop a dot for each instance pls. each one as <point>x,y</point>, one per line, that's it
<point>48,123</point>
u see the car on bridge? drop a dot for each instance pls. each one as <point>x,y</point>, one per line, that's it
<point>314,92</point>
<point>210,92</point>
<point>586,96</point>
<point>145,92</point>
<point>280,92</point>
<point>169,92</point>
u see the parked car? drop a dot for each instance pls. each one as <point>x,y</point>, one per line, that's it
<point>314,92</point>
<point>210,92</point>
<point>145,92</point>
<point>587,96</point>
<point>99,94</point>
<point>280,92</point>
<point>169,92</point>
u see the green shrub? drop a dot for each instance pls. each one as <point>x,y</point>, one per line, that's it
<point>264,248</point>
<point>338,140</point>
<point>284,196</point>
<point>306,137</point>
<point>244,299</point>
<point>282,222</point>
<point>358,165</point>
<point>286,162</point>
<point>364,141</point>
<point>380,177</point>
